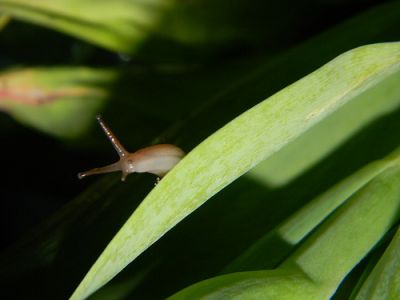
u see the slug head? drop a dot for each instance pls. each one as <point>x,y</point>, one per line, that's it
<point>125,163</point>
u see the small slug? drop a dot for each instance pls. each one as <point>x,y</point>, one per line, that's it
<point>157,159</point>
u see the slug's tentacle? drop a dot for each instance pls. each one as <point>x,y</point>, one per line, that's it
<point>123,176</point>
<point>111,136</point>
<point>101,170</point>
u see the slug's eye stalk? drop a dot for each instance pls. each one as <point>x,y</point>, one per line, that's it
<point>117,146</point>
<point>157,159</point>
<point>111,136</point>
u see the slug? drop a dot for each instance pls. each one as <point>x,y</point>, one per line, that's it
<point>157,159</point>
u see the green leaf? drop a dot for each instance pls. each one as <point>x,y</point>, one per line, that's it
<point>383,282</point>
<point>4,20</point>
<point>323,138</point>
<point>119,26</point>
<point>60,101</point>
<point>330,254</point>
<point>277,244</point>
<point>317,267</point>
<point>127,25</point>
<point>241,144</point>
<point>271,74</point>
<point>272,284</point>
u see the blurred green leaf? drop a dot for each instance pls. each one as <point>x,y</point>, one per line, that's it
<point>60,101</point>
<point>269,74</point>
<point>124,25</point>
<point>117,25</point>
<point>4,21</point>
<point>134,95</point>
<point>240,145</point>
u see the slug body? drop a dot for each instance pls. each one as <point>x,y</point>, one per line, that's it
<point>157,159</point>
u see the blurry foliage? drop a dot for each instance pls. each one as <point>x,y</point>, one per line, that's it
<point>166,71</point>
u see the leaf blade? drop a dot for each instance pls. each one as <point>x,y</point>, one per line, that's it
<point>237,147</point>
<point>327,255</point>
<point>60,101</point>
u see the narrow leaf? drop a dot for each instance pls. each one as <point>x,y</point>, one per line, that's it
<point>316,269</point>
<point>60,101</point>
<point>383,282</point>
<point>237,147</point>
<point>345,238</point>
<point>277,244</point>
